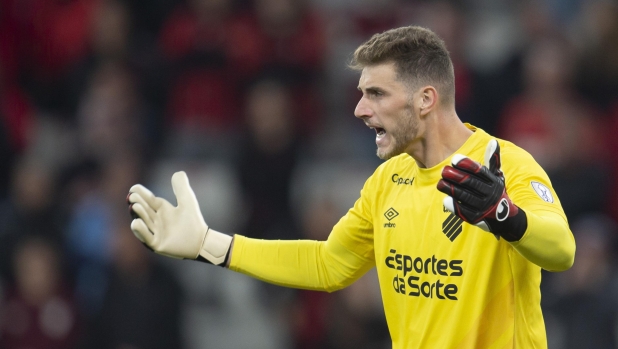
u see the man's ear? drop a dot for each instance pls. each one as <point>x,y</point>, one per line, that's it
<point>429,99</point>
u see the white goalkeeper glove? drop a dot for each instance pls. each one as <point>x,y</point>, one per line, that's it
<point>176,231</point>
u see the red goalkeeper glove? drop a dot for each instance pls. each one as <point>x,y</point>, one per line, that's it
<point>477,194</point>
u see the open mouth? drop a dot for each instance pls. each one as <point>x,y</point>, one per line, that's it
<point>380,133</point>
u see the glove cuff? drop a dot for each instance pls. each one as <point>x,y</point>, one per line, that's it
<point>216,248</point>
<point>511,229</point>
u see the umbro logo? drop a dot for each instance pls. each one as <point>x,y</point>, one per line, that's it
<point>451,227</point>
<point>390,214</point>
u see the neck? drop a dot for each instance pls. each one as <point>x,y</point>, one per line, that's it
<point>440,135</point>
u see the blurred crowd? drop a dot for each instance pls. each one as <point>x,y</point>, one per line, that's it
<point>253,99</point>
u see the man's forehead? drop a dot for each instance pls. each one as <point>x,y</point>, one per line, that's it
<point>383,74</point>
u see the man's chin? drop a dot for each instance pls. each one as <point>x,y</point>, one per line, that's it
<point>385,154</point>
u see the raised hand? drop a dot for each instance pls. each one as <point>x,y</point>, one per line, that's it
<point>176,231</point>
<point>477,194</point>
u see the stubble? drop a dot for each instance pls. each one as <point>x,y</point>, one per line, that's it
<point>402,136</point>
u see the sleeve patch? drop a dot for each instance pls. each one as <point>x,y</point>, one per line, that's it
<point>542,191</point>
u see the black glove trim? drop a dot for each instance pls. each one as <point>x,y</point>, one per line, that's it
<point>511,229</point>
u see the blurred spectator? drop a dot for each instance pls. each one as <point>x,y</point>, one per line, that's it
<point>202,102</point>
<point>7,157</point>
<point>496,48</point>
<point>9,44</point>
<point>290,35</point>
<point>141,307</point>
<point>29,211</point>
<point>198,29</point>
<point>108,42</point>
<point>598,35</point>
<point>63,41</point>
<point>311,312</point>
<point>16,113</point>
<point>357,317</point>
<point>219,52</point>
<point>447,20</point>
<point>91,222</point>
<point>580,304</point>
<point>203,94</point>
<point>16,118</point>
<point>117,39</point>
<point>39,312</point>
<point>110,118</point>
<point>268,157</point>
<point>349,318</point>
<point>291,42</point>
<point>611,129</point>
<point>273,34</point>
<point>55,36</point>
<point>147,19</point>
<point>202,99</point>
<point>371,17</point>
<point>558,128</point>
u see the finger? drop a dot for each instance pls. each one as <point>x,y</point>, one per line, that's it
<point>184,194</point>
<point>457,158</point>
<point>444,187</point>
<point>461,211</point>
<point>465,163</point>
<point>470,166</point>
<point>141,231</point>
<point>142,213</point>
<point>466,213</point>
<point>492,156</point>
<point>475,183</point>
<point>135,198</point>
<point>449,204</point>
<point>459,193</point>
<point>455,175</point>
<point>147,195</point>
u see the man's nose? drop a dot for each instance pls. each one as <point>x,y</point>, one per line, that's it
<point>362,110</point>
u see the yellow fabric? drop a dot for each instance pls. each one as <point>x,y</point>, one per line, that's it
<point>311,265</point>
<point>444,283</point>
<point>547,242</point>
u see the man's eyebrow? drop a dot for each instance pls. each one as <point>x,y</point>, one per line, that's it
<point>371,89</point>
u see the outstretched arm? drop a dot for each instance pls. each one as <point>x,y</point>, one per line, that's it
<point>181,232</point>
<point>314,265</point>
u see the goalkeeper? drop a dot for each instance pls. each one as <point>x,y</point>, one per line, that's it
<point>457,223</point>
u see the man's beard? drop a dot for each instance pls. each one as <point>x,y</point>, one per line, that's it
<point>402,136</point>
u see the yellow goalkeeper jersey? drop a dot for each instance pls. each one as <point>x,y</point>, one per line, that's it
<point>444,283</point>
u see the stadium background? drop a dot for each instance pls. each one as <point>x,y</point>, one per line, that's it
<point>253,99</point>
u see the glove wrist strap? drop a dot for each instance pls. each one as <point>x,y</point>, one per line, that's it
<point>215,249</point>
<point>511,229</point>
